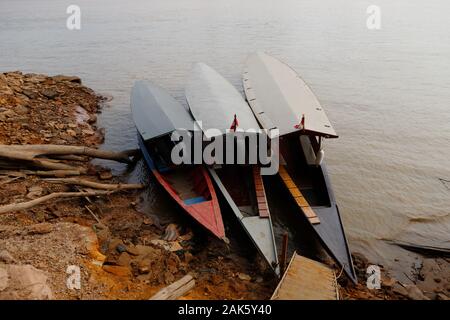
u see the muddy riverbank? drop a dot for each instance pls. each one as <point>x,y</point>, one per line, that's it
<point>121,251</point>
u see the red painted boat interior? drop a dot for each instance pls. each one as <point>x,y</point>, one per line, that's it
<point>192,188</point>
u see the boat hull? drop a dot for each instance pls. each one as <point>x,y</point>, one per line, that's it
<point>319,206</point>
<point>258,226</point>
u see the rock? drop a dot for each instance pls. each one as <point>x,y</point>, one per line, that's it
<point>147,221</point>
<point>434,276</point>
<point>6,257</point>
<point>144,266</point>
<point>387,281</point>
<point>4,279</point>
<point>41,228</point>
<point>105,175</point>
<point>21,110</point>
<point>244,276</point>
<point>34,192</point>
<point>121,248</point>
<point>62,78</point>
<point>114,243</point>
<point>71,132</point>
<point>167,245</point>
<point>49,93</point>
<point>24,282</point>
<point>400,289</point>
<point>360,260</point>
<point>144,250</point>
<point>88,132</point>
<point>92,118</point>
<point>5,89</point>
<point>186,237</point>
<point>118,270</point>
<point>8,114</point>
<point>124,260</point>
<point>441,296</point>
<point>132,250</point>
<point>29,93</point>
<point>415,293</point>
<point>188,257</point>
<point>171,233</point>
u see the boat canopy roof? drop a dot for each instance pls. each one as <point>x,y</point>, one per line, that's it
<point>156,113</point>
<point>215,101</point>
<point>280,98</point>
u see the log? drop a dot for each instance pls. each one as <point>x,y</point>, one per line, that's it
<point>48,164</point>
<point>29,204</point>
<point>69,157</point>
<point>38,163</point>
<point>176,289</point>
<point>50,173</point>
<point>53,173</point>
<point>95,185</point>
<point>30,152</point>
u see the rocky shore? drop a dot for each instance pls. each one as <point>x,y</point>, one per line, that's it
<point>121,253</point>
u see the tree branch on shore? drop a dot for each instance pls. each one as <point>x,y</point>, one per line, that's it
<point>95,185</point>
<point>29,204</point>
<point>31,152</point>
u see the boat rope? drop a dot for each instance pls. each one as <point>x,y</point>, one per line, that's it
<point>340,273</point>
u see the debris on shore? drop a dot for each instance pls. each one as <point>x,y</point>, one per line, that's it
<point>120,252</point>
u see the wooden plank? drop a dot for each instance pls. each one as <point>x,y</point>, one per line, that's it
<point>309,213</point>
<point>301,201</point>
<point>306,279</point>
<point>290,184</point>
<point>295,192</point>
<point>176,289</point>
<point>261,200</point>
<point>298,196</point>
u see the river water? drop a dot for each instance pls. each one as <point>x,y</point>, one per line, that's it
<point>386,91</point>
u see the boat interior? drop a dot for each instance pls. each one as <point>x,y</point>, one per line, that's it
<point>307,176</point>
<point>187,181</point>
<point>239,182</point>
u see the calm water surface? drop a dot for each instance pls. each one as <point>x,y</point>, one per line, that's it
<point>387,92</point>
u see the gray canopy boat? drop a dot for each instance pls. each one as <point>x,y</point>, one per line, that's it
<point>215,102</point>
<point>156,115</point>
<point>281,100</point>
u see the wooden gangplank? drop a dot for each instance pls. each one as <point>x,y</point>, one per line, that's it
<point>306,279</point>
<point>298,196</point>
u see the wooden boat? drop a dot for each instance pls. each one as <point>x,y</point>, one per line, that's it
<point>281,100</point>
<point>156,115</point>
<point>215,102</point>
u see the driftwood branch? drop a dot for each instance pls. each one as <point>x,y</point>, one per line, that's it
<point>69,157</point>
<point>95,185</point>
<point>29,204</point>
<point>176,289</point>
<point>31,152</point>
<point>43,173</point>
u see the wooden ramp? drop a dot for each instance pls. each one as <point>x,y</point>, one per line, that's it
<point>306,279</point>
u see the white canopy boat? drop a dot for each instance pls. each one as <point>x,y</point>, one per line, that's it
<point>281,100</point>
<point>215,102</point>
